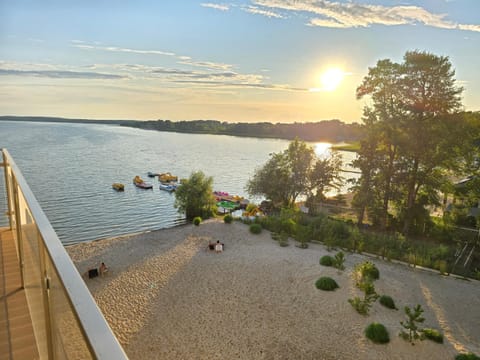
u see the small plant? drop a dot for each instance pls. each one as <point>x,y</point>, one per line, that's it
<point>433,334</point>
<point>283,239</point>
<point>275,236</point>
<point>388,302</point>
<point>228,219</point>
<point>197,220</point>
<point>377,333</point>
<point>255,228</point>
<point>339,261</point>
<point>414,317</point>
<point>326,283</point>
<point>363,305</point>
<point>469,356</point>
<point>368,269</point>
<point>326,260</point>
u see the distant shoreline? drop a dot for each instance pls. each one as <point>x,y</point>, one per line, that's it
<point>332,131</point>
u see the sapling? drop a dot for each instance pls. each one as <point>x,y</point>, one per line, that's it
<point>414,318</point>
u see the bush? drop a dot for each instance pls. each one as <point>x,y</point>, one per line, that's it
<point>326,283</point>
<point>434,335</point>
<point>388,302</point>
<point>339,260</point>
<point>363,306</point>
<point>255,228</point>
<point>377,333</point>
<point>326,260</point>
<point>228,219</point>
<point>368,269</point>
<point>197,220</point>
<point>469,356</point>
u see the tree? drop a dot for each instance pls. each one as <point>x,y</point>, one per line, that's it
<point>294,172</point>
<point>195,196</point>
<point>413,106</point>
<point>414,318</point>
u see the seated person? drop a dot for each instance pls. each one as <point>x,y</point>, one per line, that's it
<point>218,246</point>
<point>102,269</point>
<point>211,246</point>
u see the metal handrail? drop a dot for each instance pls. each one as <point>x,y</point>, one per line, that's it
<point>98,335</point>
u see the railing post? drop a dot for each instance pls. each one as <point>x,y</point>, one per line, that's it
<point>45,280</point>
<point>5,166</point>
<point>18,226</point>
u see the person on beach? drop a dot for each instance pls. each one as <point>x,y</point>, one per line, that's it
<point>218,246</point>
<point>102,269</point>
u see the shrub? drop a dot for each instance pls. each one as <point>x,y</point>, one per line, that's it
<point>434,335</point>
<point>326,260</point>
<point>283,239</point>
<point>377,333</point>
<point>197,220</point>
<point>363,306</point>
<point>339,260</point>
<point>326,283</point>
<point>255,228</point>
<point>368,269</point>
<point>228,219</point>
<point>388,302</point>
<point>469,356</point>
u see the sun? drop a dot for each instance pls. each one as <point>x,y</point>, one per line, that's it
<point>331,79</point>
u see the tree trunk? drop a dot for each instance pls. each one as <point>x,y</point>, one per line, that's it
<point>412,194</point>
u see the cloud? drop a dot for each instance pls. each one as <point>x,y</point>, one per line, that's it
<point>258,11</point>
<point>223,84</point>
<point>347,15</point>
<point>124,50</point>
<point>185,60</point>
<point>60,74</point>
<point>206,64</point>
<point>221,7</point>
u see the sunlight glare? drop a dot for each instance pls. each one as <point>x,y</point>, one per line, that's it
<point>331,79</point>
<point>322,149</point>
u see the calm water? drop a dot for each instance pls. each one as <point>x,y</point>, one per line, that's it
<point>71,167</point>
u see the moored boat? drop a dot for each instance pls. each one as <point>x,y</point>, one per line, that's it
<point>118,186</point>
<point>167,177</point>
<point>168,187</point>
<point>138,182</point>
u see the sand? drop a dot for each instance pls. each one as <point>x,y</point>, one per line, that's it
<point>166,296</point>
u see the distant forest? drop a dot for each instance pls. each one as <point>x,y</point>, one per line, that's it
<point>328,130</point>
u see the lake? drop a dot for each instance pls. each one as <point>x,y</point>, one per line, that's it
<point>71,167</point>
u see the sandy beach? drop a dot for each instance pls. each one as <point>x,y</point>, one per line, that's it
<point>167,297</point>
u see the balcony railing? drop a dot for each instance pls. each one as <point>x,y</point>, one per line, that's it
<point>66,321</point>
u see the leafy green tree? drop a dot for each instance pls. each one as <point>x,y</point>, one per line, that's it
<point>294,172</point>
<point>417,139</point>
<point>195,196</point>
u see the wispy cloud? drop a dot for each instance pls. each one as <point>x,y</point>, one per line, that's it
<point>258,11</point>
<point>351,14</point>
<point>60,74</point>
<point>122,50</point>
<point>224,84</point>
<point>182,59</point>
<point>222,7</point>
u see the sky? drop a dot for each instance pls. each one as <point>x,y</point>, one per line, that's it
<point>234,61</point>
